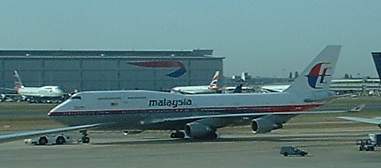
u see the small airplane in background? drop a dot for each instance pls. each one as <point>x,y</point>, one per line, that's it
<point>36,94</point>
<point>196,116</point>
<point>213,87</point>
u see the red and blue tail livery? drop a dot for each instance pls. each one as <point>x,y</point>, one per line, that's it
<point>317,71</point>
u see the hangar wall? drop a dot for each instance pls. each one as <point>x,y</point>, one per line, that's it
<point>109,70</point>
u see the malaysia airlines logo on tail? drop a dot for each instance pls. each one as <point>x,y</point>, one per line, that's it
<point>164,64</point>
<point>317,75</point>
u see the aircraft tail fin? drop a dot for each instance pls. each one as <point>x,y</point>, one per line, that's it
<point>316,78</point>
<point>214,85</point>
<point>18,83</point>
<point>377,62</point>
<point>238,89</point>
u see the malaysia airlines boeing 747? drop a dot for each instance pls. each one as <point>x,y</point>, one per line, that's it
<point>199,115</point>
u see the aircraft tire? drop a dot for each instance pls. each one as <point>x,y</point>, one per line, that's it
<point>60,140</point>
<point>43,141</point>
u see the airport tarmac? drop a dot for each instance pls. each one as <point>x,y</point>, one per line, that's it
<point>329,141</point>
<point>154,149</point>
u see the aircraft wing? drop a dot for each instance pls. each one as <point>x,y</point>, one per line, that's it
<point>363,120</point>
<point>239,115</point>
<point>22,135</point>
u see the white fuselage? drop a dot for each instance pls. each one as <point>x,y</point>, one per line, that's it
<point>41,92</point>
<point>131,109</point>
<point>193,90</point>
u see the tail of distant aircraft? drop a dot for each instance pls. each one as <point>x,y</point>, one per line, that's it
<point>18,83</point>
<point>214,84</point>
<point>314,82</point>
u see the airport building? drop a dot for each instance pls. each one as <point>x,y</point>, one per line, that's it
<point>109,69</point>
<point>359,86</point>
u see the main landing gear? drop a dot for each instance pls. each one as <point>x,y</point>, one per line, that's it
<point>178,134</point>
<point>85,138</point>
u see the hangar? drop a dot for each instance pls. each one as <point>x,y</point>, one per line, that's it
<point>109,69</point>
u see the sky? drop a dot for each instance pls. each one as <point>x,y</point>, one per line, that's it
<point>263,37</point>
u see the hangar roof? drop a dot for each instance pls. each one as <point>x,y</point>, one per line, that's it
<point>207,53</point>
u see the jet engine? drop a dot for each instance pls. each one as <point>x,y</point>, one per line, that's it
<point>268,123</point>
<point>198,130</point>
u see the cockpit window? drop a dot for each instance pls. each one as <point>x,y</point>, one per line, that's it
<point>76,97</point>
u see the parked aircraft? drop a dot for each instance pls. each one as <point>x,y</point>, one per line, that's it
<point>213,87</point>
<point>195,115</point>
<point>37,94</point>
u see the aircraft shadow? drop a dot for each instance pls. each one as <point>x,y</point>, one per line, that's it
<point>225,139</point>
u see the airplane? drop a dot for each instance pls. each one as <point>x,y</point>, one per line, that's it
<point>213,87</point>
<point>195,116</point>
<point>37,94</point>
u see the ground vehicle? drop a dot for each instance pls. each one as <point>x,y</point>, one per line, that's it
<point>369,144</point>
<point>291,150</point>
<point>57,139</point>
<point>365,144</point>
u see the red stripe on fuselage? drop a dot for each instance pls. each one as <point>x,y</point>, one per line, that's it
<point>243,109</point>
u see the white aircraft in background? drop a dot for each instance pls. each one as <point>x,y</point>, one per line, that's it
<point>213,87</point>
<point>37,93</point>
<point>193,115</point>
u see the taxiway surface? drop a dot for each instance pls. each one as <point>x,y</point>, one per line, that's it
<point>153,149</point>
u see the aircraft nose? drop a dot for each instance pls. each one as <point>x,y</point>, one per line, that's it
<point>54,111</point>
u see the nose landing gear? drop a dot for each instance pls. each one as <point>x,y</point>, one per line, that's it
<point>85,138</point>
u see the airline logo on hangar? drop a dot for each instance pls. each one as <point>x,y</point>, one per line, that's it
<point>180,68</point>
